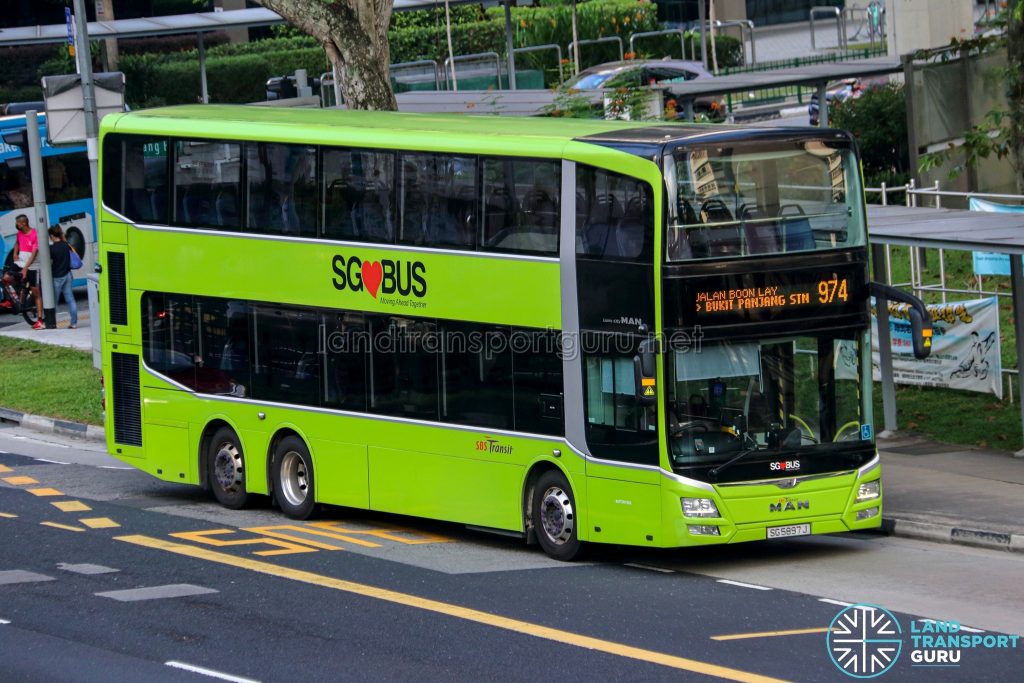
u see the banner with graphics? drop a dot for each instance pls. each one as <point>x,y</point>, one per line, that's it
<point>965,348</point>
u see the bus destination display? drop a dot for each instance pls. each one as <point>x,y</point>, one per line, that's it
<point>835,294</point>
<point>829,290</point>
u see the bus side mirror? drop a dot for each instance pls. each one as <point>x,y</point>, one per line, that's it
<point>645,372</point>
<point>920,318</point>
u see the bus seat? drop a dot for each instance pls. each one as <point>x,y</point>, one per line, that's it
<point>719,240</point>
<point>197,204</point>
<point>540,211</point>
<point>604,214</point>
<point>629,235</point>
<point>497,215</point>
<point>762,236</point>
<point>139,204</point>
<point>227,207</point>
<point>799,236</point>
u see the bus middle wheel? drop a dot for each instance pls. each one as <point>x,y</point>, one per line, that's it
<point>293,475</point>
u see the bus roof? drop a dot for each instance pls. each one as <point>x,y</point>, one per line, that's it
<point>455,132</point>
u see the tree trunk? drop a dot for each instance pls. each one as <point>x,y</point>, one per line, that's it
<point>354,34</point>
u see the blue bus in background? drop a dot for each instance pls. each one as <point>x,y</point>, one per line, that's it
<point>68,193</point>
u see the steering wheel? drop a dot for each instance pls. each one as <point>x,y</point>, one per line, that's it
<point>850,427</point>
<point>806,433</point>
<point>691,425</point>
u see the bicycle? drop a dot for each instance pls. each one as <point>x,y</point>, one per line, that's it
<point>16,294</point>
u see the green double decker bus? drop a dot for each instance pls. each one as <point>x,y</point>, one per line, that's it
<point>576,331</point>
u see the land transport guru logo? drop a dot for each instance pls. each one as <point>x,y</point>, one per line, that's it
<point>865,641</point>
<point>384,277</point>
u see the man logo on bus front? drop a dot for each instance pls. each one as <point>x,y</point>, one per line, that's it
<point>384,276</point>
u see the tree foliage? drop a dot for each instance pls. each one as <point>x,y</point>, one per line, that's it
<point>1001,134</point>
<point>878,120</point>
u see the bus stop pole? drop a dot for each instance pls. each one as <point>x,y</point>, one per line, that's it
<point>884,343</point>
<point>1017,287</point>
<point>35,160</point>
<point>84,58</point>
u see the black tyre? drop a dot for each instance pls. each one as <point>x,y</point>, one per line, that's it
<point>28,306</point>
<point>225,468</point>
<point>293,478</point>
<point>554,517</point>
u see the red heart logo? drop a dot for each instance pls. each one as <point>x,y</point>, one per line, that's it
<point>373,273</point>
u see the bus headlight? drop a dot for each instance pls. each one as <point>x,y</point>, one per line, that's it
<point>699,507</point>
<point>869,490</point>
<point>867,514</point>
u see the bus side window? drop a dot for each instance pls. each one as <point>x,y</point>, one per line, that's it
<point>207,184</point>
<point>359,195</point>
<point>169,337</point>
<point>403,368</point>
<point>438,200</point>
<point>521,205</point>
<point>476,375</point>
<point>619,219</point>
<point>537,378</point>
<point>67,177</point>
<point>346,348</point>
<point>285,356</point>
<point>282,191</point>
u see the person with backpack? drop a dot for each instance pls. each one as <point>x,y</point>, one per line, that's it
<point>61,256</point>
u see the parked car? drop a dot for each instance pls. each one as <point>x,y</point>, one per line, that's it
<point>836,91</point>
<point>646,72</point>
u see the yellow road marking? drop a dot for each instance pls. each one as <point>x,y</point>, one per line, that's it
<point>45,492</point>
<point>99,523</point>
<point>277,531</point>
<point>71,506</point>
<point>771,634</point>
<point>285,547</point>
<point>61,526</point>
<point>386,534</point>
<point>7,515</point>
<point>477,616</point>
<point>20,481</point>
<point>5,468</point>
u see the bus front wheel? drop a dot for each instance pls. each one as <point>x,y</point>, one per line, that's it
<point>554,517</point>
<point>226,469</point>
<point>294,478</point>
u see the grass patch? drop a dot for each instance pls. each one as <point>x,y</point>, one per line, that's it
<point>949,415</point>
<point>49,380</point>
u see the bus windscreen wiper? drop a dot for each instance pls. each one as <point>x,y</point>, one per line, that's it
<point>736,458</point>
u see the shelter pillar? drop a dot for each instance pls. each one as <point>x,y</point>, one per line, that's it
<point>1017,285</point>
<point>889,423</point>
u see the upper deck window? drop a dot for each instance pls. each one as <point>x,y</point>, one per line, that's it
<point>207,184</point>
<point>759,198</point>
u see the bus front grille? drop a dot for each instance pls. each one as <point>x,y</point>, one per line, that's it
<point>118,289</point>
<point>127,405</point>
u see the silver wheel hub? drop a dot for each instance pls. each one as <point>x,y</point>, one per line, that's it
<point>294,478</point>
<point>556,515</point>
<point>227,467</point>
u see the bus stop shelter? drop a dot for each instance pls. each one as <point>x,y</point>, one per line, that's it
<point>953,229</point>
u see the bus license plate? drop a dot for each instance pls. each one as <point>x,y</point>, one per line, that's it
<point>789,531</point>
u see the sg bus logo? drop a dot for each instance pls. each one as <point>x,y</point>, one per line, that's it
<point>384,276</point>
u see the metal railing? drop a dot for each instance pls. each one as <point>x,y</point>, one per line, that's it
<point>840,24</point>
<point>418,64</point>
<point>649,34</point>
<point>538,48</point>
<point>746,27</point>
<point>475,57</point>
<point>594,41</point>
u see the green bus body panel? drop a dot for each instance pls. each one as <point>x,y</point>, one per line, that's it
<point>458,286</point>
<point>396,465</point>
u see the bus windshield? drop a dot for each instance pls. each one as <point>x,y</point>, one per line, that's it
<point>777,398</point>
<point>761,198</point>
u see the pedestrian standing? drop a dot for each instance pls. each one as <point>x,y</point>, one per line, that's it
<point>26,253</point>
<point>60,257</point>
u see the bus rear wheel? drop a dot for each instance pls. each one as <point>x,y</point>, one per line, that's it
<point>226,469</point>
<point>293,483</point>
<point>554,517</point>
